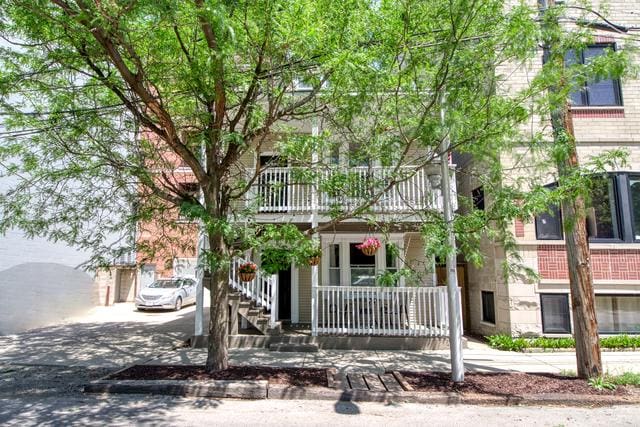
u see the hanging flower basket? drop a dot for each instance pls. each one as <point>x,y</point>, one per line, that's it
<point>314,260</point>
<point>247,271</point>
<point>247,277</point>
<point>370,246</point>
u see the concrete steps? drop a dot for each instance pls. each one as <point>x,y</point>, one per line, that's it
<point>256,316</point>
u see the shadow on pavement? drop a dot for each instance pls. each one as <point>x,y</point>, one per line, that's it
<point>105,343</point>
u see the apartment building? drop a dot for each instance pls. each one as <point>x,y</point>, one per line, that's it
<point>606,115</point>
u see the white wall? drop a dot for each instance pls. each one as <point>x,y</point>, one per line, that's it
<point>39,282</point>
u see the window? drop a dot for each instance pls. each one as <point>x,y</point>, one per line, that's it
<point>634,195</point>
<point>604,92</point>
<point>618,313</point>
<point>606,217</point>
<point>363,267</point>
<point>343,264</point>
<point>603,202</point>
<point>549,224</point>
<point>488,307</point>
<point>391,259</point>
<point>478,198</point>
<point>334,264</point>
<point>555,313</point>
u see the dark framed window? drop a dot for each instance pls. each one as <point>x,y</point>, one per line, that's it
<point>634,202</point>
<point>607,215</point>
<point>555,313</point>
<point>549,224</point>
<point>599,93</point>
<point>618,313</point>
<point>604,202</point>
<point>488,307</point>
<point>478,198</point>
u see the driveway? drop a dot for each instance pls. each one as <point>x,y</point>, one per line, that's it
<point>108,337</point>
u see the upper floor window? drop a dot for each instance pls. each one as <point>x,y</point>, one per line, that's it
<point>613,215</point>
<point>477,196</point>
<point>634,196</point>
<point>599,93</point>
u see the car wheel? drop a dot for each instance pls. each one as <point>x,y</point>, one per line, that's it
<point>178,305</point>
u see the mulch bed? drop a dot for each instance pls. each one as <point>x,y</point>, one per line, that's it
<point>504,384</point>
<point>303,377</point>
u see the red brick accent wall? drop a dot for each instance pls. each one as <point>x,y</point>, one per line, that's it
<point>607,264</point>
<point>597,113</point>
<point>519,228</point>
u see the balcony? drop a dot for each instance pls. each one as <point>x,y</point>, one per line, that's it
<point>299,191</point>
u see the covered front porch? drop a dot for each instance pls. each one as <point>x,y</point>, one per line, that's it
<point>403,310</point>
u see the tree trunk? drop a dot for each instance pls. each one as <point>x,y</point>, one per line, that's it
<point>218,354</point>
<point>585,325</point>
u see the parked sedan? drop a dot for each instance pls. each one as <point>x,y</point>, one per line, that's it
<point>167,293</point>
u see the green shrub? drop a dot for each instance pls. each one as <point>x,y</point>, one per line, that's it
<point>544,342</point>
<point>508,343</point>
<point>601,383</point>
<point>620,341</point>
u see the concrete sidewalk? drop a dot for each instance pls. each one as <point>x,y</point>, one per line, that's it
<point>117,336</point>
<point>480,358</point>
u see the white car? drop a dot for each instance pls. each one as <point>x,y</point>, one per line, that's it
<point>172,293</point>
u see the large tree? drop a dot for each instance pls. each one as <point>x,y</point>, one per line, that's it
<point>102,99</point>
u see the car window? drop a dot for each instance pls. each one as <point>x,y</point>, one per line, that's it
<point>165,284</point>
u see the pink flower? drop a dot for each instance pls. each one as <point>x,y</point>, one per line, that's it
<point>370,242</point>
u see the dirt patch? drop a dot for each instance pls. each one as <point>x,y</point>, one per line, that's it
<point>303,377</point>
<point>504,384</point>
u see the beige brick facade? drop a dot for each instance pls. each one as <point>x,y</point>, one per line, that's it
<point>597,130</point>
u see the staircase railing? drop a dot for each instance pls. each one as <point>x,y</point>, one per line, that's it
<point>262,290</point>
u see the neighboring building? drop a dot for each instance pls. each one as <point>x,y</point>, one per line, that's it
<point>40,284</point>
<point>606,116</point>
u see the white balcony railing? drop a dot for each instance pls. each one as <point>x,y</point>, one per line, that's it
<point>377,311</point>
<point>289,189</point>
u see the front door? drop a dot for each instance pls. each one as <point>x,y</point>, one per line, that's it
<point>284,294</point>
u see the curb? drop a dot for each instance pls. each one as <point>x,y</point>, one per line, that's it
<point>263,390</point>
<point>212,388</point>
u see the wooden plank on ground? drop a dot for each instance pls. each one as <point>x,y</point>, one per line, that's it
<point>373,382</point>
<point>357,382</point>
<point>403,382</point>
<point>390,382</point>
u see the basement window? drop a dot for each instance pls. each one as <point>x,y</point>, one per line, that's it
<point>488,307</point>
<point>555,313</point>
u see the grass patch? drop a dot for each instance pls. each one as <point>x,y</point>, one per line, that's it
<point>628,378</point>
<point>611,382</point>
<point>508,343</point>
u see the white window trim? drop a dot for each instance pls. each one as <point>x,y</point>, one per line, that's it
<point>344,240</point>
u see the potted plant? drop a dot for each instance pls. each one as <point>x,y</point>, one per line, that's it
<point>314,255</point>
<point>369,246</point>
<point>247,271</point>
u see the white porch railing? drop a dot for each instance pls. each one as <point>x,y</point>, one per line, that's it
<point>372,310</point>
<point>262,290</point>
<point>283,189</point>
